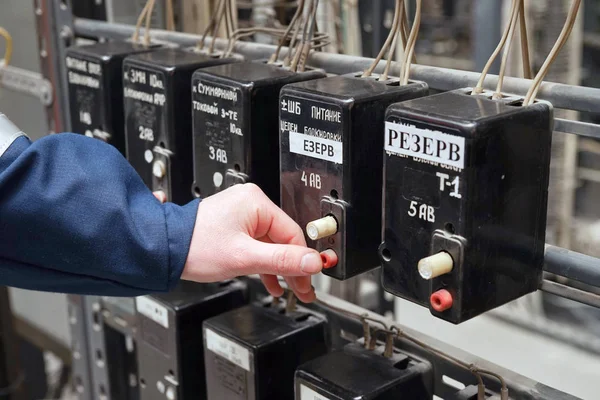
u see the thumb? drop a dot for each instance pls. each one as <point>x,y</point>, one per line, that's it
<point>280,259</point>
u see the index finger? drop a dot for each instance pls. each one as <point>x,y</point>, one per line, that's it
<point>277,226</point>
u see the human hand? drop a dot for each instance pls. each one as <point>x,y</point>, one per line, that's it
<point>241,232</point>
<point>160,196</point>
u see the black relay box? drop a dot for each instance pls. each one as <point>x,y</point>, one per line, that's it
<point>95,79</point>
<point>158,117</point>
<point>236,134</point>
<point>466,192</point>
<point>119,318</point>
<point>357,373</point>
<point>252,353</point>
<point>331,164</point>
<point>169,338</point>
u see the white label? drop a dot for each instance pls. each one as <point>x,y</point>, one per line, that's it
<point>307,393</point>
<point>428,145</point>
<point>312,146</point>
<point>152,310</point>
<point>227,349</point>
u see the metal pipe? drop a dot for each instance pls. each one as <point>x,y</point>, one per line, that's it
<point>580,296</point>
<point>572,265</point>
<point>570,97</point>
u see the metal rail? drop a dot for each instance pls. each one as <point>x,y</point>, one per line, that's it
<point>577,98</point>
<point>558,261</point>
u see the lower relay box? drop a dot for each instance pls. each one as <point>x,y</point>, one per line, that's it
<point>235,118</point>
<point>466,192</point>
<point>251,353</point>
<point>158,117</point>
<point>119,329</point>
<point>357,373</point>
<point>94,76</point>
<point>169,338</point>
<point>331,164</point>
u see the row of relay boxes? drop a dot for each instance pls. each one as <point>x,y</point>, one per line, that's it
<point>447,192</point>
<point>211,341</point>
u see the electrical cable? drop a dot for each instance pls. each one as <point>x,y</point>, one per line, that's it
<point>527,73</point>
<point>479,87</point>
<point>170,16</point>
<point>148,21</point>
<point>9,46</point>
<point>514,16</point>
<point>411,45</point>
<point>560,42</point>
<point>369,71</point>
<point>292,45</point>
<point>396,26</point>
<point>307,39</point>
<point>305,31</point>
<point>136,33</point>
<point>219,19</point>
<point>289,29</point>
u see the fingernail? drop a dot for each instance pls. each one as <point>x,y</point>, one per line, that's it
<point>311,263</point>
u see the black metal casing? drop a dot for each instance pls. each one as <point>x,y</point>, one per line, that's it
<point>356,373</point>
<point>95,80</point>
<point>469,176</point>
<point>236,133</point>
<point>344,114</point>
<point>252,353</point>
<point>119,328</point>
<point>158,117</point>
<point>169,338</point>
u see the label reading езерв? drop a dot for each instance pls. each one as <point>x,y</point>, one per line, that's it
<point>312,146</point>
<point>227,349</point>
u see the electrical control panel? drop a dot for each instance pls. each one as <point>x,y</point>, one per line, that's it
<point>235,118</point>
<point>169,338</point>
<point>158,117</point>
<point>252,353</point>
<point>356,372</point>
<point>466,192</point>
<point>331,164</point>
<point>94,76</point>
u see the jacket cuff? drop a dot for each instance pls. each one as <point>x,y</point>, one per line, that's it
<point>180,222</point>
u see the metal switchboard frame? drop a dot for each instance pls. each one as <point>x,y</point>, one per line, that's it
<point>81,358</point>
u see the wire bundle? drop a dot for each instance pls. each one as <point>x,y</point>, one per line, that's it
<point>146,17</point>
<point>517,13</point>
<point>399,29</point>
<point>302,35</point>
<point>560,42</point>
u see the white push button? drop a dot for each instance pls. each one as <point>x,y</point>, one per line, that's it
<point>435,265</point>
<point>159,169</point>
<point>322,228</point>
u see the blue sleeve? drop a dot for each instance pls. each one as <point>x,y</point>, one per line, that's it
<point>76,218</point>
